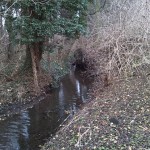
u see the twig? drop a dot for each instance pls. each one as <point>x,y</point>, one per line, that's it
<point>78,144</point>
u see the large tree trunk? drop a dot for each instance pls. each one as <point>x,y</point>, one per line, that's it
<point>36,55</point>
<point>28,60</point>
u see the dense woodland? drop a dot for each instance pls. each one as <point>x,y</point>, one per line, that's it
<point>40,40</point>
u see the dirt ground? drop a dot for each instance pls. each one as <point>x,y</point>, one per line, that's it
<point>19,93</point>
<point>117,118</point>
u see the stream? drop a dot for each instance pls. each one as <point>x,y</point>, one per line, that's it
<point>31,127</point>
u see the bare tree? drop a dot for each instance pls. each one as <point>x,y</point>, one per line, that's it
<point>119,37</point>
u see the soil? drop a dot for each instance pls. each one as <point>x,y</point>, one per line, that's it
<point>117,118</point>
<point>19,93</point>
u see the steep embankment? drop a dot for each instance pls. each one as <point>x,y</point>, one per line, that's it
<point>118,118</point>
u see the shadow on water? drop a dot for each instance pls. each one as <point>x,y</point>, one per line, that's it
<point>31,128</point>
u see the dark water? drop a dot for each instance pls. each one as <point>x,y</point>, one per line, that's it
<point>30,128</point>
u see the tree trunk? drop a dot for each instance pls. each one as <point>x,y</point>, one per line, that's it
<point>10,51</point>
<point>9,28</point>
<point>36,55</point>
<point>28,60</point>
<point>1,26</point>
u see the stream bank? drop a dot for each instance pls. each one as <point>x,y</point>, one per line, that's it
<point>118,118</point>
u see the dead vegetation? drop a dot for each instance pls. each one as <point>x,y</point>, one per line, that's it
<point>118,42</point>
<point>118,118</point>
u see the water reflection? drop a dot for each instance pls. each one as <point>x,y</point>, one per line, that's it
<point>14,132</point>
<point>30,128</point>
<point>61,100</point>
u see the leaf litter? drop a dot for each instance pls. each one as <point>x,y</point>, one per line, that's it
<point>116,119</point>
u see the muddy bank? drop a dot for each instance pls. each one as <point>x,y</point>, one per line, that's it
<point>20,90</point>
<point>117,118</point>
<point>18,95</point>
